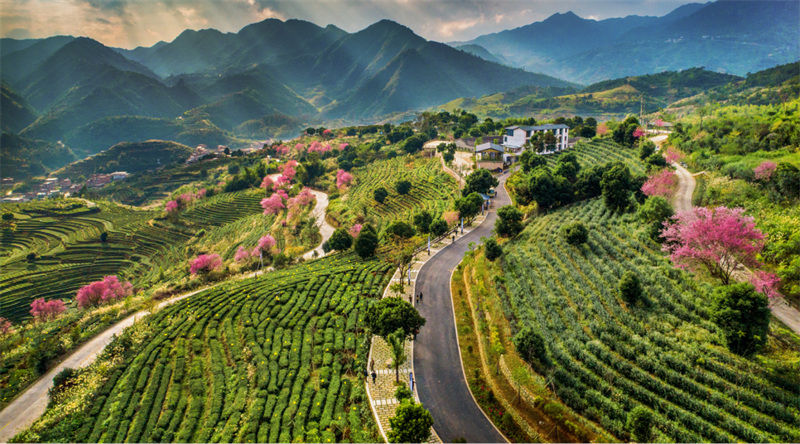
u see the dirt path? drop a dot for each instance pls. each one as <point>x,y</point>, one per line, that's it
<point>682,201</point>
<point>31,404</point>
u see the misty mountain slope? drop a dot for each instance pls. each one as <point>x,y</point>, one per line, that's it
<point>15,112</point>
<point>480,51</point>
<point>21,63</point>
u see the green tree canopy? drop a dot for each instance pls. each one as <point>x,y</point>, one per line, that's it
<point>742,315</point>
<point>402,187</point>
<point>480,181</point>
<point>380,194</point>
<point>387,315</point>
<point>616,184</point>
<point>470,205</point>
<point>410,423</point>
<point>509,222</point>
<point>340,240</point>
<point>366,242</point>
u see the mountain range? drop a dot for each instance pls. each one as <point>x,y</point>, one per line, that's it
<point>272,78</point>
<point>731,36</point>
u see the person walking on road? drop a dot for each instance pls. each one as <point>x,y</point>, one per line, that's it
<point>420,297</point>
<point>372,365</point>
<point>374,376</point>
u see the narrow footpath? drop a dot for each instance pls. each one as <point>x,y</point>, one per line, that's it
<point>682,201</point>
<point>26,408</point>
<point>441,383</point>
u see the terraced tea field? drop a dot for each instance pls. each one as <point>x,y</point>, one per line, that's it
<point>70,253</point>
<point>431,189</point>
<point>608,357</point>
<point>274,358</point>
<point>598,152</point>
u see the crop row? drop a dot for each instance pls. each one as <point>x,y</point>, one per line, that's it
<point>275,358</point>
<point>609,357</point>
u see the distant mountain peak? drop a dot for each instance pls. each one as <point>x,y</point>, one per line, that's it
<point>564,17</point>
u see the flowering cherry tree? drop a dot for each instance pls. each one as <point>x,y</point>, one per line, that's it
<point>343,179</point>
<point>299,147</point>
<point>662,183</point>
<point>5,327</point>
<point>267,183</point>
<point>355,230</point>
<point>715,239</point>
<point>172,207</point>
<point>110,289</point>
<point>327,133</point>
<point>671,155</point>
<point>242,254</point>
<point>658,122</point>
<point>342,146</point>
<point>266,244</point>
<point>281,181</point>
<point>201,193</point>
<point>45,311</point>
<point>766,283</point>
<point>205,263</point>
<point>451,217</point>
<point>638,132</point>
<point>765,170</point>
<point>272,204</point>
<point>602,129</point>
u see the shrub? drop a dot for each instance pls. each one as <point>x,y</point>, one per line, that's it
<point>575,233</point>
<point>366,242</point>
<point>380,194</point>
<point>402,187</point>
<point>400,229</point>
<point>104,237</point>
<point>61,381</point>
<point>654,212</point>
<point>493,250</point>
<point>439,227</point>
<point>340,240</point>
<point>640,424</point>
<point>403,393</point>
<point>509,222</point>
<point>423,220</point>
<point>410,423</point>
<point>387,315</point>
<point>630,289</point>
<point>743,316</point>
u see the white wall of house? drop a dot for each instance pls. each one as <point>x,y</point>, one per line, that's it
<point>517,138</point>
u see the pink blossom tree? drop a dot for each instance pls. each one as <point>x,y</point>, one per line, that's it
<point>46,311</point>
<point>5,327</point>
<point>185,199</point>
<point>266,244</point>
<point>289,172</point>
<point>714,239</point>
<point>764,171</point>
<point>355,230</point>
<point>602,129</point>
<point>299,147</point>
<point>327,133</point>
<point>662,183</point>
<point>242,255</point>
<point>451,217</point>
<point>272,204</point>
<point>342,146</point>
<point>766,283</point>
<point>659,123</point>
<point>172,207</point>
<point>671,155</point>
<point>201,193</point>
<point>267,183</point>
<point>638,132</point>
<point>281,182</point>
<point>205,263</point>
<point>343,179</point>
<point>110,289</point>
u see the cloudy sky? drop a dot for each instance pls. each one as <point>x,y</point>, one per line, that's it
<point>130,23</point>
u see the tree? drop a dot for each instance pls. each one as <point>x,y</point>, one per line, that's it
<point>531,160</point>
<point>104,237</point>
<point>656,160</point>
<point>387,315</point>
<point>530,346</point>
<point>414,143</point>
<point>397,346</point>
<point>661,183</point>
<point>423,221</point>
<point>46,311</point>
<point>205,263</point>
<point>575,233</point>
<point>340,240</point>
<point>480,181</point>
<point>411,423</point>
<point>742,315</point>
<point>108,290</point>
<point>8,216</point>
<point>615,185</point>
<point>400,229</point>
<point>713,239</point>
<point>380,194</point>
<point>630,288</point>
<point>492,249</point>
<point>647,150</point>
<point>402,187</point>
<point>366,242</point>
<point>403,393</point>
<point>640,424</point>
<point>654,212</point>
<point>567,166</point>
<point>787,179</point>
<point>470,205</point>
<point>509,222</point>
<point>587,184</point>
<point>548,190</point>
<point>448,156</point>
<point>439,227</point>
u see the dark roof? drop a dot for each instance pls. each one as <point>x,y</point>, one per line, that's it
<point>549,126</point>
<point>488,146</point>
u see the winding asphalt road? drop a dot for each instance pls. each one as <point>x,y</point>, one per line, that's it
<point>31,403</point>
<point>441,385</point>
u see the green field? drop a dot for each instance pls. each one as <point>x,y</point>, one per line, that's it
<point>600,151</point>
<point>274,358</point>
<point>608,357</point>
<point>431,189</point>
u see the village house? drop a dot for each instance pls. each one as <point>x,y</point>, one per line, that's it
<point>517,136</point>
<point>98,180</point>
<point>490,156</point>
<point>119,175</point>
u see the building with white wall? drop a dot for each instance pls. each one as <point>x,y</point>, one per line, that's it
<point>516,136</point>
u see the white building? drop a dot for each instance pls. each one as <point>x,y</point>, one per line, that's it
<point>517,136</point>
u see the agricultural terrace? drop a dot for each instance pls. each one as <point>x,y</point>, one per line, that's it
<point>431,189</point>
<point>600,151</point>
<point>273,358</point>
<point>70,254</point>
<point>608,357</point>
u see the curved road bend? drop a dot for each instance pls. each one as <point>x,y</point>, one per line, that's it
<point>437,362</point>
<point>31,403</point>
